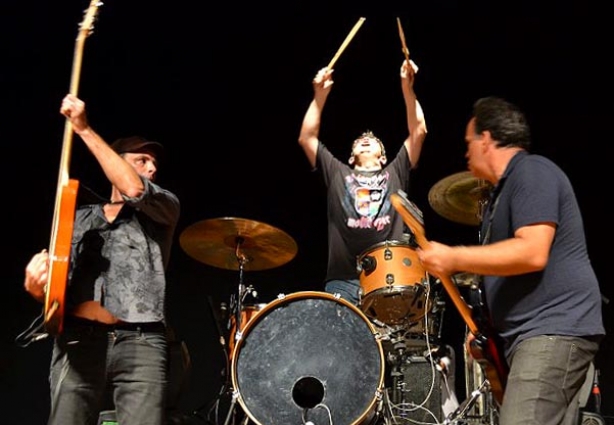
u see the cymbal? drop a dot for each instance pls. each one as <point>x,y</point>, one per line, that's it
<point>227,242</point>
<point>460,197</point>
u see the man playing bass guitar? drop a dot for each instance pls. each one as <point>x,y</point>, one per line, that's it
<point>540,289</point>
<point>114,333</point>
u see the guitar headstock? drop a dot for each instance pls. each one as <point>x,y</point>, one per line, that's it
<point>412,216</point>
<point>86,27</point>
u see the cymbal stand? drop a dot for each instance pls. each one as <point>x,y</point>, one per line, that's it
<point>237,308</point>
<point>243,290</point>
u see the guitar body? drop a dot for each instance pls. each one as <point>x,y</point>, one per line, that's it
<point>481,343</point>
<point>59,259</point>
<point>486,351</point>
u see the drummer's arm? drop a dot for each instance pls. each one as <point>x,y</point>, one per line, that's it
<point>416,122</point>
<point>310,129</point>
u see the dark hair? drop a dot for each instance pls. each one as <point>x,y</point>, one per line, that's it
<point>507,124</point>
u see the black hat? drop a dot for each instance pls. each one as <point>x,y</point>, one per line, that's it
<point>138,144</point>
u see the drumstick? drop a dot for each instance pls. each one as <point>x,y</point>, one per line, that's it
<point>402,36</point>
<point>346,42</point>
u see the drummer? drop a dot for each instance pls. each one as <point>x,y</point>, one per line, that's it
<point>359,212</point>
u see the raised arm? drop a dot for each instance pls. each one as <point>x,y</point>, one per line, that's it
<point>416,123</point>
<point>310,129</point>
<point>119,172</point>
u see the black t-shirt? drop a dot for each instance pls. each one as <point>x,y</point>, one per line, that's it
<point>360,214</point>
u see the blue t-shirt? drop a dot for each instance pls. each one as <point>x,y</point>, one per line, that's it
<point>562,299</point>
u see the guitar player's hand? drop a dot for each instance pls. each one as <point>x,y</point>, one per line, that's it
<point>37,274</point>
<point>437,259</point>
<point>73,108</point>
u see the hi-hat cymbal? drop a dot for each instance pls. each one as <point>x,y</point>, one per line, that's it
<point>228,242</point>
<point>460,197</point>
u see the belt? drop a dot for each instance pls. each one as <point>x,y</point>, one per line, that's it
<point>78,322</point>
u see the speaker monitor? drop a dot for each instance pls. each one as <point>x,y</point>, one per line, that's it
<point>417,379</point>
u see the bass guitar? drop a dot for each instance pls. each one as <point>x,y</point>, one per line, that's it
<point>66,199</point>
<point>482,343</point>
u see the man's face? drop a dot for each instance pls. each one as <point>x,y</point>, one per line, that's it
<point>366,146</point>
<point>475,149</point>
<point>144,163</point>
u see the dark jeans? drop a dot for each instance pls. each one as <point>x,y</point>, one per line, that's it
<point>349,289</point>
<point>545,378</point>
<point>89,360</point>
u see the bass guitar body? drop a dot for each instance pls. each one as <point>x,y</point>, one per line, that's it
<point>59,259</point>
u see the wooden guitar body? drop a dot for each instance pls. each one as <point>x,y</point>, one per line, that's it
<point>59,259</point>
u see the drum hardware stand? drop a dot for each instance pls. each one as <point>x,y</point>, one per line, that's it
<point>236,308</point>
<point>237,302</point>
<point>242,289</point>
<point>396,359</point>
<point>461,414</point>
<point>231,409</point>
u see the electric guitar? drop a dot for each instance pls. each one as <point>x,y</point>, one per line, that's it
<point>66,200</point>
<point>482,343</point>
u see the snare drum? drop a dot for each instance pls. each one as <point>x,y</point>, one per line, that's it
<point>393,283</point>
<point>306,356</point>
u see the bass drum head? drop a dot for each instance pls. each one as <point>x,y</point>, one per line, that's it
<point>308,356</point>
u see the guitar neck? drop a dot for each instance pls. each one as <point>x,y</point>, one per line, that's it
<point>410,216</point>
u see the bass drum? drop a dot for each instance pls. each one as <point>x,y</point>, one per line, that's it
<point>309,356</point>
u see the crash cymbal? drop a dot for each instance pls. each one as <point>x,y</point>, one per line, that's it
<point>460,197</point>
<point>229,241</point>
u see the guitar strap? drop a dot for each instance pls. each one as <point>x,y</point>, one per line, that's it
<point>492,206</point>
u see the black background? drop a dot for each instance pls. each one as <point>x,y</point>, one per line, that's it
<point>224,85</point>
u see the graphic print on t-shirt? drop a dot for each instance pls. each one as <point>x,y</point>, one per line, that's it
<point>366,194</point>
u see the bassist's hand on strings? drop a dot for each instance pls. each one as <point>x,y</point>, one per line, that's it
<point>37,274</point>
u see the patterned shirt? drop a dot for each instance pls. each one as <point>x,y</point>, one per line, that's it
<point>122,264</point>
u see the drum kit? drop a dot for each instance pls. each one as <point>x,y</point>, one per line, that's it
<point>313,357</point>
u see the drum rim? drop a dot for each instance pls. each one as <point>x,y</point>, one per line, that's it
<point>387,242</point>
